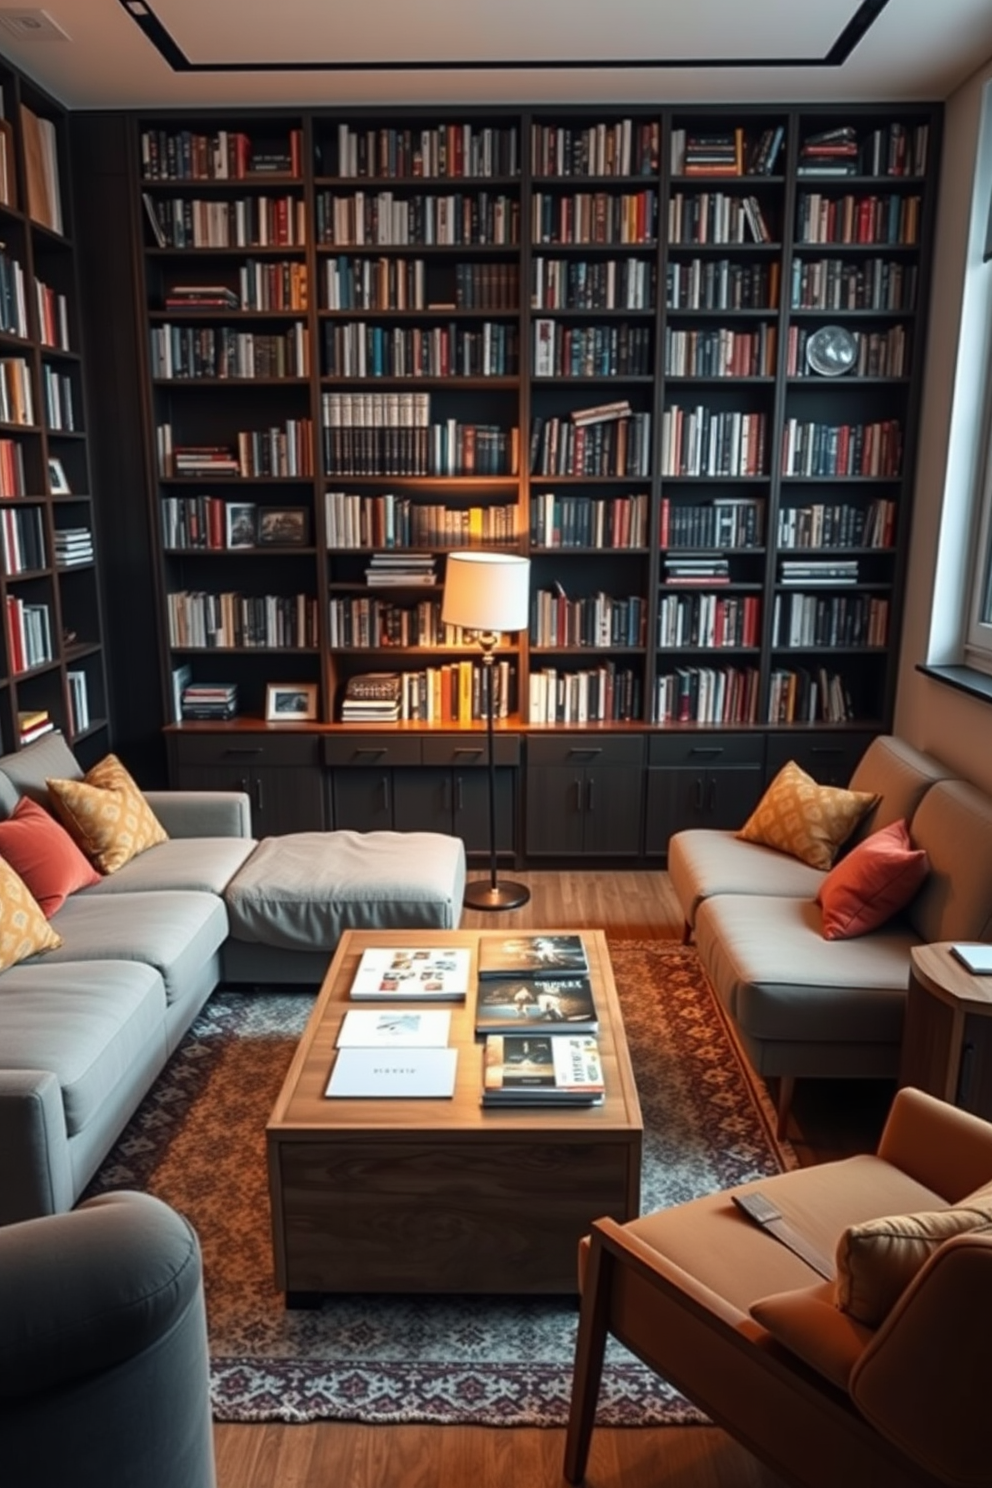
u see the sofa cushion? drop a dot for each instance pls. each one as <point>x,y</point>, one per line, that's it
<point>203,864</point>
<point>27,772</point>
<point>107,814</point>
<point>43,854</point>
<point>871,883</point>
<point>175,932</point>
<point>877,1259</point>
<point>899,775</point>
<point>88,1023</point>
<point>809,1324</point>
<point>780,980</point>
<point>24,930</point>
<point>703,861</point>
<point>953,823</point>
<point>806,820</point>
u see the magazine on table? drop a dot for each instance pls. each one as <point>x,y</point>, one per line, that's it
<point>532,955</point>
<point>394,1028</point>
<point>422,975</point>
<point>513,1004</point>
<point>393,1074</point>
<point>554,1069</point>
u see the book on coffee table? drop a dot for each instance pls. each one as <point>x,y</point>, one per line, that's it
<point>554,1069</point>
<point>393,1074</point>
<point>516,1004</point>
<point>421,975</point>
<point>977,958</point>
<point>394,1028</point>
<point>532,955</point>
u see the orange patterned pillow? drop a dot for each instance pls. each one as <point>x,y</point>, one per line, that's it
<point>107,814</point>
<point>806,820</point>
<point>24,931</point>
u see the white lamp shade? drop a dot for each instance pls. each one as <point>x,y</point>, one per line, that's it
<point>486,591</point>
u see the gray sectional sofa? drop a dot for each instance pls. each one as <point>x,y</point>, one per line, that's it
<point>805,1006</point>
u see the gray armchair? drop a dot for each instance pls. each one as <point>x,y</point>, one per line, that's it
<point>104,1379</point>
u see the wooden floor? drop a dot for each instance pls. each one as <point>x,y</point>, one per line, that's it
<point>831,1118</point>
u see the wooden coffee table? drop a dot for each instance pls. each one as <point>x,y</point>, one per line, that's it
<point>441,1195</point>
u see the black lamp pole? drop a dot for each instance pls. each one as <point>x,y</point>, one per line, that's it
<point>496,894</point>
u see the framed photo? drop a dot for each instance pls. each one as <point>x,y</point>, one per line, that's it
<point>57,482</point>
<point>283,526</point>
<point>291,702</point>
<point>239,524</point>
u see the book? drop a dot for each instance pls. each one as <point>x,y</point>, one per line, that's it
<point>394,1028</point>
<point>532,955</point>
<point>393,1074</point>
<point>509,1004</point>
<point>977,958</point>
<point>541,1069</point>
<point>426,975</point>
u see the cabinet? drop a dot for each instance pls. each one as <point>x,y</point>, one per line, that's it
<point>829,757</point>
<point>281,775</point>
<point>52,669</point>
<point>714,780</point>
<point>584,794</point>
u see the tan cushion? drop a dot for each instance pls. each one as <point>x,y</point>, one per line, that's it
<point>808,1324</point>
<point>806,820</point>
<point>24,931</point>
<point>107,814</point>
<point>877,1260</point>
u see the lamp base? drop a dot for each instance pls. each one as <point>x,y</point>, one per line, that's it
<point>505,895</point>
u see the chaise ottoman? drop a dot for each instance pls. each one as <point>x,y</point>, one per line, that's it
<point>290,902</point>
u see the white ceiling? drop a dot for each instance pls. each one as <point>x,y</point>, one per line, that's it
<point>914,49</point>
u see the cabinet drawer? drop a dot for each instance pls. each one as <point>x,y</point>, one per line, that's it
<point>371,750</point>
<point>586,749</point>
<point>829,757</point>
<point>246,749</point>
<point>462,750</point>
<point>708,751</point>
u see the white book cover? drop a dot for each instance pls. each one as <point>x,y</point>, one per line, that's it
<point>977,958</point>
<point>395,1028</point>
<point>393,1074</point>
<point>422,974</point>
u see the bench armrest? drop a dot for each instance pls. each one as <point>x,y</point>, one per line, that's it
<point>940,1146</point>
<point>35,1174</point>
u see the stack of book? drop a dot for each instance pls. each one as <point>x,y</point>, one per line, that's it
<point>196,296</point>
<point>204,461</point>
<point>714,154</point>
<point>73,545</point>
<point>31,724</point>
<point>216,700</point>
<point>708,570</point>
<point>831,152</point>
<point>372,697</point>
<point>819,571</point>
<point>536,1012</point>
<point>400,570</point>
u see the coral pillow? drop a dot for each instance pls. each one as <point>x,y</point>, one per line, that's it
<point>806,820</point>
<point>24,931</point>
<point>874,880</point>
<point>44,855</point>
<point>107,814</point>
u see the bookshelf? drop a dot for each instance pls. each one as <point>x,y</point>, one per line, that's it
<point>53,671</point>
<point>672,355</point>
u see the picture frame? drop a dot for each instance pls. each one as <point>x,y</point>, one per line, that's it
<point>58,481</point>
<point>291,702</point>
<point>283,526</point>
<point>239,524</point>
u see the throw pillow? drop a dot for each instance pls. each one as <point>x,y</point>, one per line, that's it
<point>877,1260</point>
<point>806,820</point>
<point>872,882</point>
<point>24,931</point>
<point>107,814</point>
<point>44,855</point>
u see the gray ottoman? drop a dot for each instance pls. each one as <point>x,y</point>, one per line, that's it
<point>289,904</point>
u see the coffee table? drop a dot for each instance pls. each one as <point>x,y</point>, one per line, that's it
<point>442,1195</point>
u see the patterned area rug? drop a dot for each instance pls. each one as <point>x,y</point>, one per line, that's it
<point>198,1142</point>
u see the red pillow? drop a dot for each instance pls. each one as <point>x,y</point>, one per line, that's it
<point>42,853</point>
<point>874,880</point>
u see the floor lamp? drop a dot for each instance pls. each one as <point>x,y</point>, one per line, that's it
<point>489,593</point>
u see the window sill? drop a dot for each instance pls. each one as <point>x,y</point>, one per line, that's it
<point>963,678</point>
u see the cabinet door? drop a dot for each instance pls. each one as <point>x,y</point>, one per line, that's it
<point>675,801</point>
<point>731,795</point>
<point>470,802</point>
<point>612,816</point>
<point>555,809</point>
<point>362,800</point>
<point>423,800</point>
<point>287,800</point>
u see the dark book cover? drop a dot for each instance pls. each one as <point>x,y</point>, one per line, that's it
<point>542,1069</point>
<point>513,1004</point>
<point>532,955</point>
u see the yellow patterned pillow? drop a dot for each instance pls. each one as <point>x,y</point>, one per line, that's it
<point>107,814</point>
<point>806,820</point>
<point>24,931</point>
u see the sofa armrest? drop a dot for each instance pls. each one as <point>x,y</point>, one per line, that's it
<point>202,813</point>
<point>35,1174</point>
<point>948,1150</point>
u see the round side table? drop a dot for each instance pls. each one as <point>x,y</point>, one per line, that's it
<point>947,1043</point>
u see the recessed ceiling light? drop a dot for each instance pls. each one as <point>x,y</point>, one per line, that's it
<point>32,25</point>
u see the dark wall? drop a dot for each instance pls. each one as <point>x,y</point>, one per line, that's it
<point>115,363</point>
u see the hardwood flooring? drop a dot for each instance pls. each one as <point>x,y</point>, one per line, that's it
<point>831,1118</point>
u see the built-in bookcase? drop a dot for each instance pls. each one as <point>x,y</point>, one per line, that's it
<point>53,671</point>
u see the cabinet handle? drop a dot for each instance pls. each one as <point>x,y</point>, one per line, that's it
<point>459,796</point>
<point>578,794</point>
<point>258,794</point>
<point>711,795</point>
<point>585,752</point>
<point>241,753</point>
<point>469,753</point>
<point>589,800</point>
<point>385,792</point>
<point>243,784</point>
<point>446,794</point>
<point>699,792</point>
<point>368,754</point>
<point>707,749</point>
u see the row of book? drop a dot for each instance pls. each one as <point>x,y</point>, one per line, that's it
<point>624,147</point>
<point>585,284</point>
<point>595,694</point>
<point>390,521</point>
<point>361,623</point>
<point>59,399</point>
<point>815,449</point>
<point>893,150</point>
<point>261,285</point>
<point>706,620</point>
<point>29,633</point>
<point>694,694</point>
<point>210,522</point>
<point>721,352</point>
<point>444,150</point>
<point>839,284</point>
<point>879,353</point>
<point>726,152</point>
<point>595,620</point>
<point>584,522</point>
<point>231,620</point>
<point>797,695</point>
<point>53,316</point>
<point>261,221</point>
<point>285,451</point>
<point>22,530</point>
<point>225,155</point>
<point>721,284</point>
<point>187,351</point>
<point>13,302</point>
<point>79,700</point>
<point>716,217</point>
<point>857,219</point>
<point>621,350</point>
<point>819,620</point>
<point>385,219</point>
<point>725,522</point>
<point>12,481</point>
<point>594,217</point>
<point>359,349</point>
<point>840,525</point>
<point>705,441</point>
<point>618,446</point>
<point>16,396</point>
<point>453,692</point>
